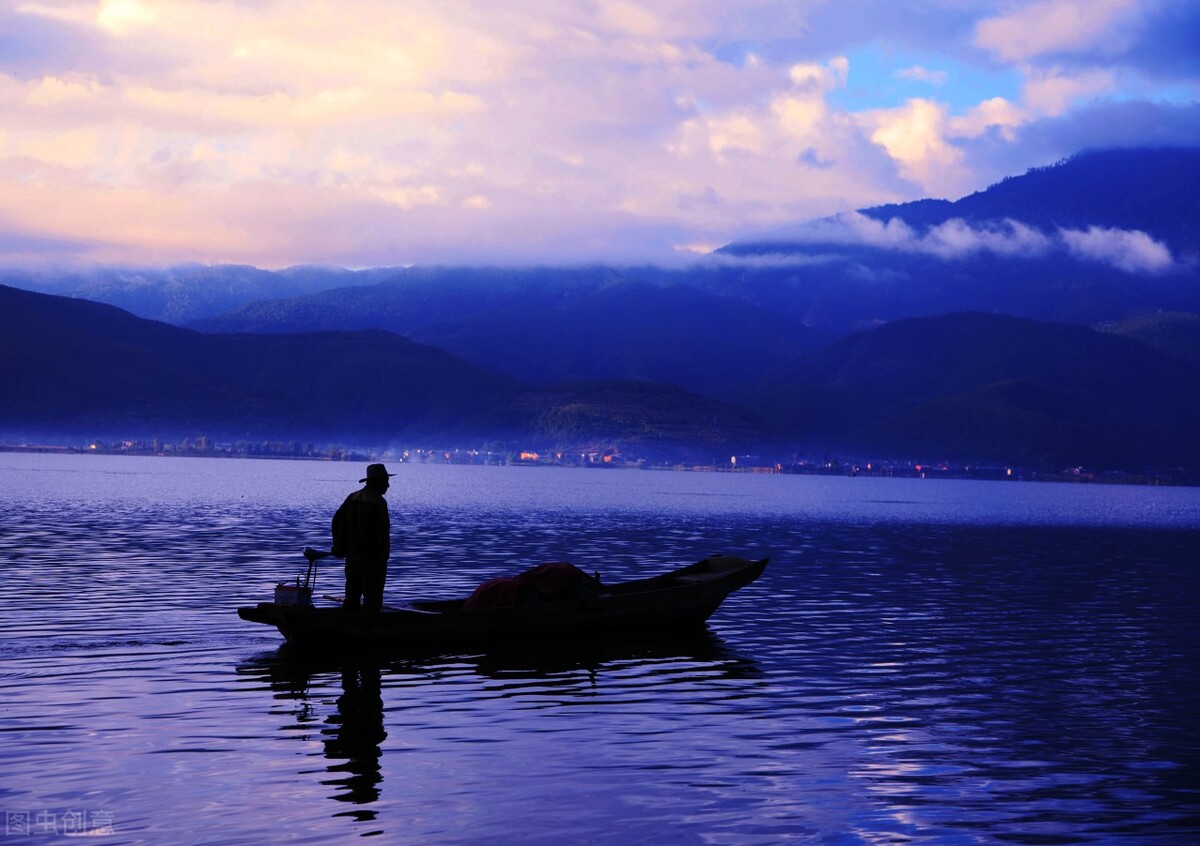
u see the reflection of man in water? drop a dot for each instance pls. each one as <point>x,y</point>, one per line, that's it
<point>362,535</point>
<point>354,740</point>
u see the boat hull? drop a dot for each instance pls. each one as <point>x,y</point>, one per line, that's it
<point>679,599</point>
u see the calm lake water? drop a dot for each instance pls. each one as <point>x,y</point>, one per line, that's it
<point>922,662</point>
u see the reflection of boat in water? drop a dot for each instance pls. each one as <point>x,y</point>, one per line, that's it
<point>659,662</point>
<point>679,599</point>
<point>343,710</point>
<point>297,674</point>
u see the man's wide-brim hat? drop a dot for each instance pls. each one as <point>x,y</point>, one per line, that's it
<point>376,471</point>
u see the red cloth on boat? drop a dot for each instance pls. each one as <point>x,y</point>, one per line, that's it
<point>556,580</point>
<point>494,593</point>
<point>556,577</point>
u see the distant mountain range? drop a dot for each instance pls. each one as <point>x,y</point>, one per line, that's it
<point>986,387</point>
<point>547,326</point>
<point>186,292</point>
<point>964,386</point>
<point>1051,319</point>
<point>84,369</point>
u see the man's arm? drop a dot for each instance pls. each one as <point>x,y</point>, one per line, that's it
<point>385,530</point>
<point>339,529</point>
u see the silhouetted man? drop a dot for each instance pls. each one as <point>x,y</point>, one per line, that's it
<point>362,535</point>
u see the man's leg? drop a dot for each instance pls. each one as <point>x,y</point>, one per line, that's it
<point>373,578</point>
<point>354,585</point>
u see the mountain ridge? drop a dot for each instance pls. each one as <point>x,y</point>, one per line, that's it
<point>991,387</point>
<point>969,386</point>
<point>72,366</point>
<point>1115,188</point>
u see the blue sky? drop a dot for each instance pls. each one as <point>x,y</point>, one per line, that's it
<point>281,132</point>
<point>885,76</point>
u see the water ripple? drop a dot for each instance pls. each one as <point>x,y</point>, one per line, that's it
<point>885,681</point>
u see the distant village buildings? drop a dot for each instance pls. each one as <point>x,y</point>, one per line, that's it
<point>607,457</point>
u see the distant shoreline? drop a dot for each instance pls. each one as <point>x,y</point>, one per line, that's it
<point>828,467</point>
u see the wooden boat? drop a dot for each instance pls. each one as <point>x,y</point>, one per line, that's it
<point>681,598</point>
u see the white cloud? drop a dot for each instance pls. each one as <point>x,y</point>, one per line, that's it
<point>1133,251</point>
<point>994,112</point>
<point>1061,26</point>
<point>123,16</point>
<point>54,91</point>
<point>857,228</point>
<point>953,239</point>
<point>825,77</point>
<point>735,132</point>
<point>918,73</point>
<point>1129,250</point>
<point>1012,238</point>
<point>1053,92</point>
<point>915,136</point>
<point>699,249</point>
<point>67,12</point>
<point>629,18</point>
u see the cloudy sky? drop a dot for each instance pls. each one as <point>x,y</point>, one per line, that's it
<point>386,132</point>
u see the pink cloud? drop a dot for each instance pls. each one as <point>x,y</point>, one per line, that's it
<point>279,133</point>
